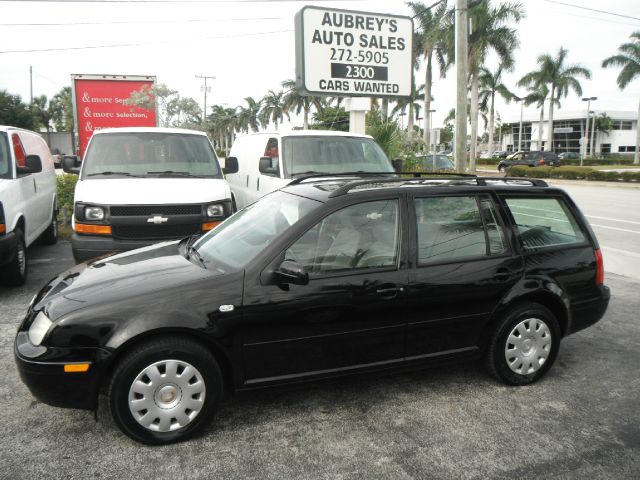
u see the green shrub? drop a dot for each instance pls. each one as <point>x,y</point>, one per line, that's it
<point>596,175</point>
<point>65,186</point>
<point>517,171</point>
<point>487,161</point>
<point>630,176</point>
<point>589,161</point>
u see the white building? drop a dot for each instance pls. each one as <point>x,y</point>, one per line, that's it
<point>569,135</point>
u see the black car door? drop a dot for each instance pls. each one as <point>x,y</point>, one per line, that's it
<point>350,315</point>
<point>462,267</point>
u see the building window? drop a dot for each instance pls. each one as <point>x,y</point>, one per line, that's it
<point>622,125</point>
<point>627,149</point>
<point>605,148</point>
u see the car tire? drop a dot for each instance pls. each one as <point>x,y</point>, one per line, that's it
<point>501,169</point>
<point>50,235</point>
<point>165,390</point>
<point>525,361</point>
<point>16,270</point>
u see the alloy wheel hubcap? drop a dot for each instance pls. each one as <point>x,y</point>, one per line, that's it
<point>167,395</point>
<point>528,346</point>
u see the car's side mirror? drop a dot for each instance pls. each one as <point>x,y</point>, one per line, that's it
<point>32,164</point>
<point>267,166</point>
<point>397,164</point>
<point>70,164</point>
<point>292,272</point>
<point>230,165</point>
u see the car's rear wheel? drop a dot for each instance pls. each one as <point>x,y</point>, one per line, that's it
<point>524,345</point>
<point>16,270</point>
<point>165,390</point>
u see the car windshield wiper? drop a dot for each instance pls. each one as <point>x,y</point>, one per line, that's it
<point>310,172</point>
<point>109,172</point>
<point>172,172</point>
<point>191,251</point>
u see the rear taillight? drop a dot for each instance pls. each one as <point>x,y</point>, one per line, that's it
<point>599,268</point>
<point>541,161</point>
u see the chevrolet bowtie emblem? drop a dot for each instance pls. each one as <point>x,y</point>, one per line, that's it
<point>157,219</point>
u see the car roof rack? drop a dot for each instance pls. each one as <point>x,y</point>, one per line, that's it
<point>464,179</point>
<point>329,176</point>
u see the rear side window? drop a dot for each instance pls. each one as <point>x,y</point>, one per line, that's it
<point>544,222</point>
<point>452,228</point>
<point>18,151</point>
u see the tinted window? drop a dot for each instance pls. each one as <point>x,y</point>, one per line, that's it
<point>5,162</point>
<point>356,237</point>
<point>150,154</point>
<point>326,154</point>
<point>450,228</point>
<point>544,222</point>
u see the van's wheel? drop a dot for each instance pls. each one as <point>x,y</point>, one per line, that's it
<point>16,270</point>
<point>165,390</point>
<point>234,207</point>
<point>524,345</point>
<point>50,235</point>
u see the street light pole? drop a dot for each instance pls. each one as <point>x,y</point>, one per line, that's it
<point>593,131</point>
<point>432,137</point>
<point>586,135</point>
<point>205,77</point>
<point>462,51</point>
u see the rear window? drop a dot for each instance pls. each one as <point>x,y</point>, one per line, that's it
<point>544,222</point>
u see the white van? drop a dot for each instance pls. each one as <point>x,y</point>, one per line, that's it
<point>268,161</point>
<point>27,199</point>
<point>139,186</point>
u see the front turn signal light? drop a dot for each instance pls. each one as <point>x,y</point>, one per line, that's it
<point>76,367</point>
<point>3,228</point>
<point>209,226</point>
<point>93,229</point>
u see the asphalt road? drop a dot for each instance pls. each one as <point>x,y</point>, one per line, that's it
<point>581,421</point>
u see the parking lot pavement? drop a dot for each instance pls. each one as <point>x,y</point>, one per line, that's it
<point>581,421</point>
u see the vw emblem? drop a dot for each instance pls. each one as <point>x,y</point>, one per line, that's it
<point>157,220</point>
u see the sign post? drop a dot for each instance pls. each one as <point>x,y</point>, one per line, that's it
<point>353,54</point>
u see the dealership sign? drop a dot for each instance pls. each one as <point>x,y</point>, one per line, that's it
<point>99,102</point>
<point>353,54</point>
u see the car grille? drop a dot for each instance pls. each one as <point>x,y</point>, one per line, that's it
<point>135,210</point>
<point>144,232</point>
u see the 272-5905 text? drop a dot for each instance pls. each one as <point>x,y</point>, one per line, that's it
<point>360,56</point>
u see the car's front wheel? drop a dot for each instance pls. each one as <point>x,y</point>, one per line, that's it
<point>15,273</point>
<point>165,390</point>
<point>524,345</point>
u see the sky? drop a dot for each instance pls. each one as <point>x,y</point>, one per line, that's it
<point>248,46</point>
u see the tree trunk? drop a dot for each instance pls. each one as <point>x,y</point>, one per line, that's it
<point>491,126</point>
<point>426,135</point>
<point>636,156</point>
<point>474,122</point>
<point>540,126</point>
<point>410,120</point>
<point>550,132</point>
<point>305,121</point>
<point>385,109</point>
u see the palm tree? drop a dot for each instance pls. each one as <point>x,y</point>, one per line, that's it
<point>629,60</point>
<point>412,103</point>
<point>559,77</point>
<point>273,108</point>
<point>432,31</point>
<point>248,116</point>
<point>490,84</point>
<point>491,31</point>
<point>300,103</point>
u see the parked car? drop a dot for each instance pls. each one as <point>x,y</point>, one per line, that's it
<point>322,278</point>
<point>27,200</point>
<point>268,161</point>
<point>139,186</point>
<point>569,156</point>
<point>500,154</point>
<point>436,162</point>
<point>530,159</point>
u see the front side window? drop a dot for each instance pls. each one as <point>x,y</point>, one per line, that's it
<point>544,222</point>
<point>453,228</point>
<point>357,237</point>
<point>5,162</point>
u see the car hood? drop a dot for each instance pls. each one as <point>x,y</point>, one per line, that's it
<point>114,279</point>
<point>151,191</point>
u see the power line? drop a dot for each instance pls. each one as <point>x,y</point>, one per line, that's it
<point>593,9</point>
<point>173,1</point>
<point>135,22</point>
<point>90,47</point>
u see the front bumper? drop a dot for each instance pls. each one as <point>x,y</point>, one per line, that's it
<point>8,246</point>
<point>86,247</point>
<point>42,371</point>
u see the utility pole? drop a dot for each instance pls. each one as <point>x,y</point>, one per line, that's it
<point>462,52</point>
<point>593,131</point>
<point>31,83</point>
<point>586,136</point>
<point>205,89</point>
<point>520,129</point>
<point>432,136</point>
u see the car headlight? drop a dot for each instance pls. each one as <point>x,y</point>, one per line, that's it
<point>215,210</point>
<point>94,213</point>
<point>39,328</point>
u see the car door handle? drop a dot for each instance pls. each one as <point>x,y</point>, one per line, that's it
<point>391,292</point>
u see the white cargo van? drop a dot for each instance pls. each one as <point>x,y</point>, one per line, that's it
<point>139,186</point>
<point>27,199</point>
<point>268,161</point>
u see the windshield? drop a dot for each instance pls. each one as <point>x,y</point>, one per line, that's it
<point>5,157</point>
<point>238,240</point>
<point>323,154</point>
<point>150,154</point>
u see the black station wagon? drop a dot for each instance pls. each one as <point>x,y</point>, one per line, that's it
<point>323,278</point>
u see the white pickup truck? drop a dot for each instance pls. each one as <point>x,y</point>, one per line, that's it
<point>27,200</point>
